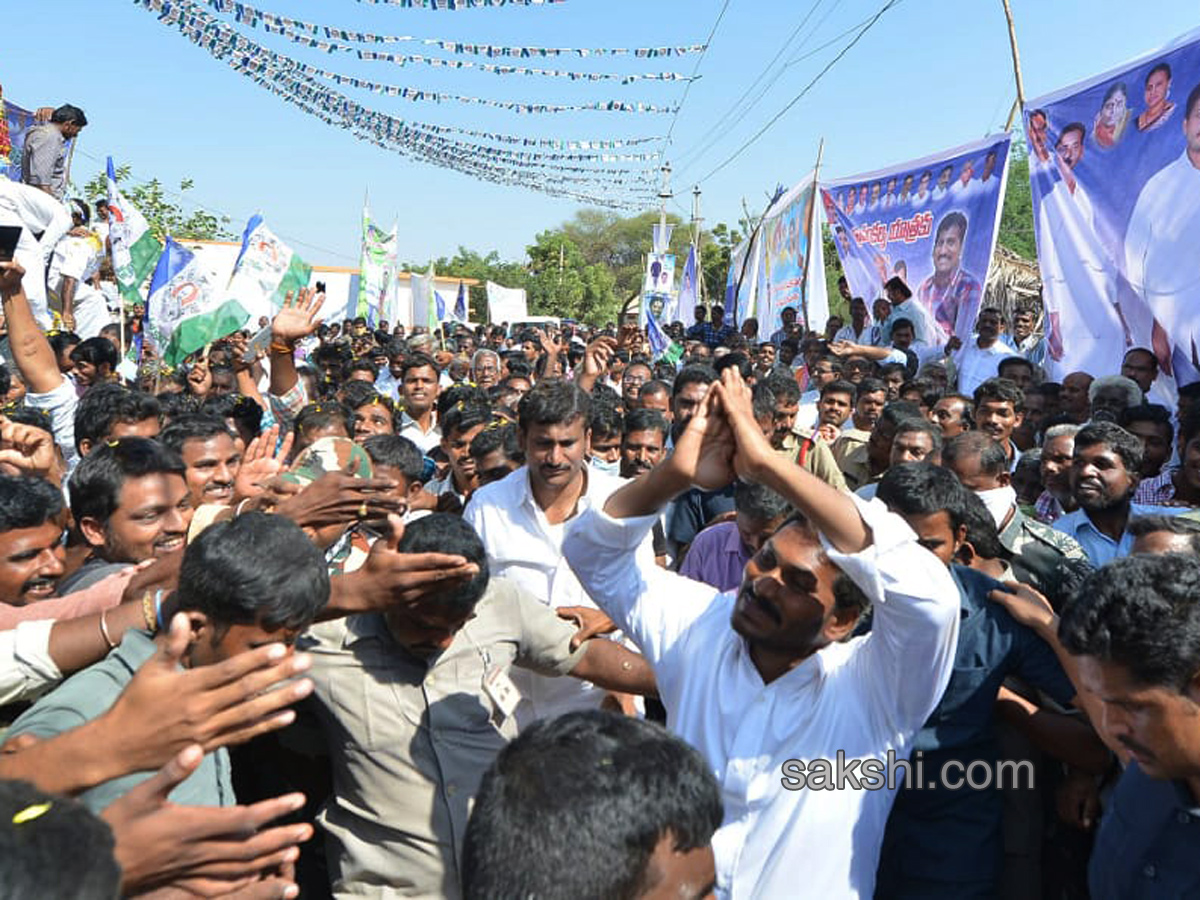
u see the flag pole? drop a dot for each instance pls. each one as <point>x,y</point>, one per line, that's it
<point>1016,60</point>
<point>814,234</point>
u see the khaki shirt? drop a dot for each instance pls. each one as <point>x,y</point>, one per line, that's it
<point>410,739</point>
<point>817,459</point>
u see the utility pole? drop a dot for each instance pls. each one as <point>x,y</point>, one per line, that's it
<point>1016,58</point>
<point>664,194</point>
<point>696,222</point>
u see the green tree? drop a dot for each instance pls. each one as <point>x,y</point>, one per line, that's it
<point>163,214</point>
<point>1016,219</point>
<point>467,263</point>
<point>563,283</point>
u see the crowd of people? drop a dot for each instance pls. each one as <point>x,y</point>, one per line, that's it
<point>499,613</point>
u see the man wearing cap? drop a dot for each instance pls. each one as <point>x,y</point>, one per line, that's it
<point>904,307</point>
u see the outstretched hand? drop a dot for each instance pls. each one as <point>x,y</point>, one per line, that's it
<point>298,317</point>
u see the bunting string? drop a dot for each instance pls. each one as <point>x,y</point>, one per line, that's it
<point>619,188</point>
<point>458,4</point>
<point>245,14</point>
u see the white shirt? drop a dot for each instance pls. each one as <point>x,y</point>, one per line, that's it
<point>977,364</point>
<point>79,258</point>
<point>865,696</point>
<point>1161,246</point>
<point>524,547</point>
<point>35,212</point>
<point>426,440</point>
<point>26,669</point>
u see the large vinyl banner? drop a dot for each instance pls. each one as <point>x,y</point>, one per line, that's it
<point>932,221</point>
<point>16,122</point>
<point>1115,172</point>
<point>773,271</point>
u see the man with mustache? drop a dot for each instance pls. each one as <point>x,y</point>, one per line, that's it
<point>31,552</point>
<point>1104,477</point>
<point>522,518</point>
<point>130,503</point>
<point>1130,640</point>
<point>766,679</point>
<point>951,293</point>
<point>210,457</point>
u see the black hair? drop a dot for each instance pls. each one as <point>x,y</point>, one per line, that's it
<point>1140,526</point>
<point>68,115</point>
<point>28,415</point>
<point>898,411</point>
<point>759,502</point>
<point>462,417</point>
<point>171,405</point>
<point>355,393</point>
<point>646,420</point>
<point>784,387</point>
<point>1163,67</point>
<point>27,502</point>
<point>1117,439</point>
<point>95,486</point>
<point>992,460</point>
<point>735,359</point>
<point>1003,390</point>
<point>52,846</point>
<point>1140,613</point>
<point>921,425</point>
<point>106,405</point>
<point>869,386</point>
<point>1015,361</point>
<point>253,569</point>
<point>762,401</point>
<point>61,340</point>
<point>605,420</point>
<point>554,403</point>
<point>418,361</point>
<point>903,322</point>
<point>96,351</point>
<point>697,373</point>
<point>466,394</point>
<point>396,452</point>
<point>5,380</point>
<point>447,533</point>
<point>360,364</point>
<point>1189,428</point>
<point>840,387</point>
<point>921,488</point>
<point>519,368</point>
<point>982,533</point>
<point>245,412</point>
<point>321,415</point>
<point>1149,412</point>
<point>591,785</point>
<point>498,436</point>
<point>192,428</point>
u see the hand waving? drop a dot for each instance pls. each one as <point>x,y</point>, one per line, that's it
<point>298,317</point>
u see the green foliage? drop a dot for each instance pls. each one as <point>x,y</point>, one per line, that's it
<point>480,267</point>
<point>163,214</point>
<point>1016,219</point>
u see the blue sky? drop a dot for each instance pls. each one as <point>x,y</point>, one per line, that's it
<point>931,74</point>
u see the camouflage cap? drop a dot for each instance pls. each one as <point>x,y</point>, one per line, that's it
<point>329,454</point>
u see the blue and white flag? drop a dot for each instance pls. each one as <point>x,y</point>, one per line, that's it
<point>184,312</point>
<point>460,304</point>
<point>662,237</point>
<point>266,271</point>
<point>688,295</point>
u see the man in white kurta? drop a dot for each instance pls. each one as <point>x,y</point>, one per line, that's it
<point>42,220</point>
<point>716,656</point>
<point>1162,243</point>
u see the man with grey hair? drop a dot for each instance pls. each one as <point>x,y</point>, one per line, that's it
<point>719,554</point>
<point>485,368</point>
<point>1111,395</point>
<point>1058,447</point>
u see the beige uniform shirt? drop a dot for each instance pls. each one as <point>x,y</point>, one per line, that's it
<point>409,739</point>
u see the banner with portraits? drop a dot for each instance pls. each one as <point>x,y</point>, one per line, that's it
<point>15,124</point>
<point>932,222</point>
<point>1114,166</point>
<point>779,266</point>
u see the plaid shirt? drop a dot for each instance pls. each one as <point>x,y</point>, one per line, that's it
<point>1048,508</point>
<point>710,334</point>
<point>1157,490</point>
<point>960,296</point>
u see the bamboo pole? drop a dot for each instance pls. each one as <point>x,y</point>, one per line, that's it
<point>814,235</point>
<point>1016,59</point>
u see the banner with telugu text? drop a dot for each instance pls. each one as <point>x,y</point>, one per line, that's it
<point>1115,175</point>
<point>932,221</point>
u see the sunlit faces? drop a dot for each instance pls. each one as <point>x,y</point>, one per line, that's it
<point>1056,465</point>
<point>371,419</point>
<point>457,447</point>
<point>212,467</point>
<point>31,563</point>
<point>997,419</point>
<point>151,520</point>
<point>605,447</point>
<point>834,408</point>
<point>641,451</point>
<point>555,453</point>
<point>1099,479</point>
<point>786,602</point>
<point>419,389</point>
